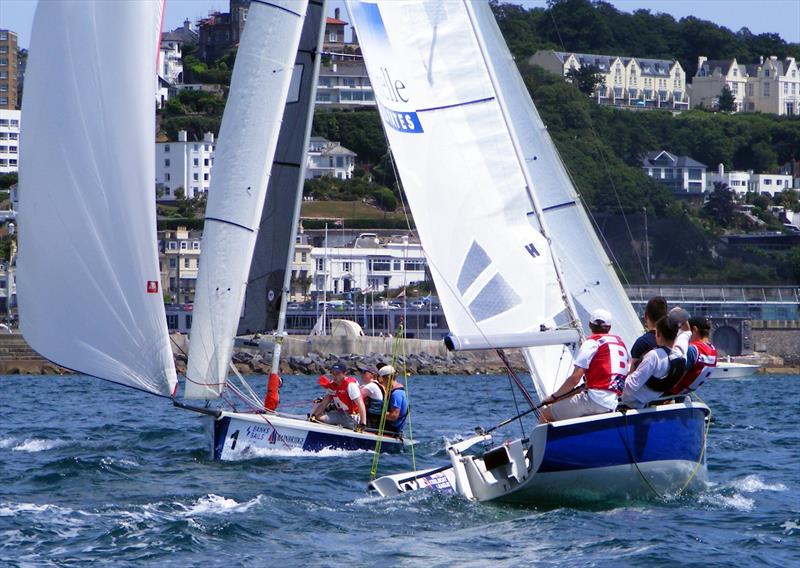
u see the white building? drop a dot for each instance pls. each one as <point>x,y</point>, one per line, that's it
<point>739,182</point>
<point>368,264</point>
<point>770,183</point>
<point>178,260</point>
<point>326,158</point>
<point>681,174</point>
<point>184,164</point>
<point>9,140</point>
<point>344,84</point>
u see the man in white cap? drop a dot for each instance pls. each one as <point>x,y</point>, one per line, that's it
<point>602,362</point>
<point>397,410</point>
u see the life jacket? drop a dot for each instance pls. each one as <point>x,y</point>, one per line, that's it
<point>610,364</point>
<point>342,399</point>
<point>675,370</point>
<point>375,406</point>
<point>397,425</point>
<point>706,357</point>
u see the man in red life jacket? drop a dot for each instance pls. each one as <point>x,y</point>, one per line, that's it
<point>602,362</point>
<point>700,355</point>
<point>349,410</point>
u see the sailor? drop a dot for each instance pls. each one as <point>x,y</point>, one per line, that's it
<point>602,362</point>
<point>701,354</point>
<point>349,410</point>
<point>397,411</point>
<point>655,309</point>
<point>372,393</point>
<point>662,367</point>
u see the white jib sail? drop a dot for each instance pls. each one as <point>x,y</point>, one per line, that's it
<point>87,271</point>
<point>244,155</point>
<point>456,157</point>
<point>589,274</point>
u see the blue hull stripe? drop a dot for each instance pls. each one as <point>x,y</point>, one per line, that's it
<point>674,435</point>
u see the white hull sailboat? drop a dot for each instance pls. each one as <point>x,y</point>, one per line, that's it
<point>90,294</point>
<point>725,370</point>
<point>514,258</point>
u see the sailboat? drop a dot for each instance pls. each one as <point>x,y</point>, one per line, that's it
<point>513,255</point>
<point>89,281</point>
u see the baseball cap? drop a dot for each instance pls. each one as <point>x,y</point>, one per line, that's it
<point>700,322</point>
<point>600,317</point>
<point>338,367</point>
<point>387,370</point>
<point>677,317</point>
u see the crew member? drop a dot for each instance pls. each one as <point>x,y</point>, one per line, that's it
<point>602,362</point>
<point>397,411</point>
<point>701,354</point>
<point>655,309</point>
<point>372,393</point>
<point>349,410</point>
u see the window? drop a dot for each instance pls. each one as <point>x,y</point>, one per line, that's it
<point>767,182</point>
<point>195,245</point>
<point>695,173</point>
<point>166,148</point>
<point>347,267</point>
<point>380,264</point>
<point>173,263</point>
<point>332,36</point>
<point>3,74</point>
<point>186,262</point>
<point>205,162</point>
<point>3,100</point>
<point>416,264</point>
<point>766,72</point>
<point>195,177</point>
<point>13,135</point>
<point>196,147</point>
<point>196,162</point>
<point>184,245</point>
<point>207,147</point>
<point>303,257</point>
<point>166,177</point>
<point>396,265</point>
<point>205,177</point>
<point>166,163</point>
<point>320,263</point>
<point>766,89</point>
<point>172,321</point>
<point>3,61</point>
<point>3,88</point>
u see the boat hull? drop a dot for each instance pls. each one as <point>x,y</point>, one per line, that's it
<point>650,452</point>
<point>238,435</point>
<point>733,371</point>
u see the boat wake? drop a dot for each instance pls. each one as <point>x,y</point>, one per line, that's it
<point>300,453</point>
<point>30,444</point>
<point>737,494</point>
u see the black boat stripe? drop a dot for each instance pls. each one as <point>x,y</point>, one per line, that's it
<point>476,101</point>
<point>559,206</point>
<point>230,223</point>
<point>287,164</point>
<point>271,5</point>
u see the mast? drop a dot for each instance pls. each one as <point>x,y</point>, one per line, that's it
<point>566,296</point>
<point>280,331</point>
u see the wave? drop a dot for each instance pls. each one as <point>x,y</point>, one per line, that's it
<point>213,504</point>
<point>37,445</point>
<point>11,509</point>
<point>735,501</point>
<point>753,484</point>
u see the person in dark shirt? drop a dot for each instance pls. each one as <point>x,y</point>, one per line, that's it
<point>655,310</point>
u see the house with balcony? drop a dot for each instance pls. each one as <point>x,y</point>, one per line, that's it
<point>627,81</point>
<point>681,174</point>
<point>344,84</point>
<point>771,86</point>
<point>178,260</point>
<point>9,140</point>
<point>331,159</point>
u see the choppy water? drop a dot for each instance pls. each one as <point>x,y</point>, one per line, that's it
<point>93,472</point>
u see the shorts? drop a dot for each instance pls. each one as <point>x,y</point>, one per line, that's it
<point>575,407</point>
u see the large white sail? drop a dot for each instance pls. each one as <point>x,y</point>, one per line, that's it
<point>457,158</point>
<point>244,155</point>
<point>87,270</point>
<point>589,274</point>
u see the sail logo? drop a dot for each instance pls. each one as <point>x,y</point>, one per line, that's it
<point>152,286</point>
<point>532,250</point>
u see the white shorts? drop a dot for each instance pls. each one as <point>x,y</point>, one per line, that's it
<point>576,406</point>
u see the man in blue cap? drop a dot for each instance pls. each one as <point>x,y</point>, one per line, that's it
<point>350,411</point>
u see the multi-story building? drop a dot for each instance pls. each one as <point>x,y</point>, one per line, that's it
<point>178,260</point>
<point>170,60</point>
<point>368,263</point>
<point>302,267</point>
<point>331,159</point>
<point>220,32</point>
<point>344,83</point>
<point>8,70</point>
<point>680,174</point>
<point>184,164</point>
<point>9,140</point>
<point>738,181</point>
<point>769,183</point>
<point>770,86</point>
<point>627,81</point>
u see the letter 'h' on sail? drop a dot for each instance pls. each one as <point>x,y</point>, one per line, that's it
<point>244,156</point>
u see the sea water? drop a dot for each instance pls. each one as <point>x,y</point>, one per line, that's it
<point>93,472</point>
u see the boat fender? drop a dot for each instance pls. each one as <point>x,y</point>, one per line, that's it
<point>273,392</point>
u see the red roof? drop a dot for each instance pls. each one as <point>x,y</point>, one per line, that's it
<point>335,22</point>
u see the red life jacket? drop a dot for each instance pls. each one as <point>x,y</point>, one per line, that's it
<point>342,399</point>
<point>610,364</point>
<point>706,357</point>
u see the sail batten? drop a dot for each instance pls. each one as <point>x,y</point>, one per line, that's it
<point>88,274</point>
<point>251,123</point>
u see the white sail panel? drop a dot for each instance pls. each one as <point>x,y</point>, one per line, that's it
<point>87,271</point>
<point>492,268</point>
<point>248,137</point>
<point>589,275</point>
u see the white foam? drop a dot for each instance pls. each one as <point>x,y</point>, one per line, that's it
<point>753,483</point>
<point>7,442</point>
<point>790,526</point>
<point>11,509</point>
<point>118,462</point>
<point>285,452</point>
<point>216,505</point>
<point>37,445</point>
<point>735,501</point>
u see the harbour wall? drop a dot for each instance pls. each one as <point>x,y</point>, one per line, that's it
<point>778,338</point>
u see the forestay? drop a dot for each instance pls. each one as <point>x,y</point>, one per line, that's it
<point>465,185</point>
<point>276,232</point>
<point>244,155</point>
<point>87,271</point>
<point>589,275</point>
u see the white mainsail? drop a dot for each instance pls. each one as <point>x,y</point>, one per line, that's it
<point>87,271</point>
<point>244,155</point>
<point>588,272</point>
<point>491,264</point>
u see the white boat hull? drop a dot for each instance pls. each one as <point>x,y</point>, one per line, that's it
<point>733,370</point>
<point>656,451</point>
<point>239,435</point>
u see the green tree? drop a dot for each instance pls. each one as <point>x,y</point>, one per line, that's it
<point>587,78</point>
<point>727,102</point>
<point>720,206</point>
